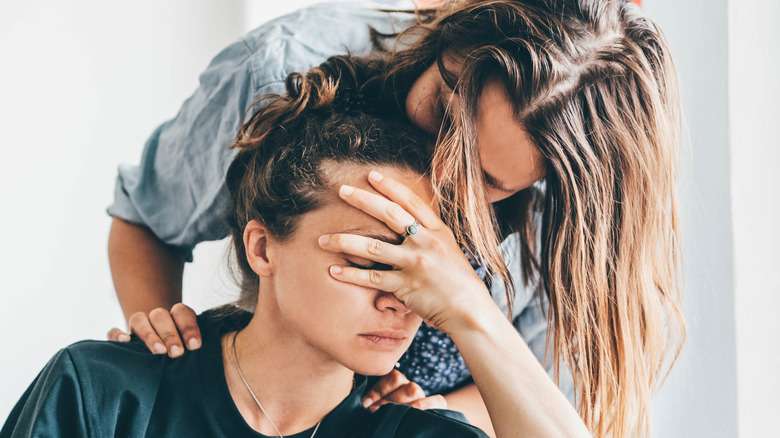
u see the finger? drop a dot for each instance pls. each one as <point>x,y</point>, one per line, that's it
<point>404,395</point>
<point>392,214</point>
<point>365,247</point>
<point>163,324</point>
<point>406,198</point>
<point>118,335</point>
<point>436,401</point>
<point>375,407</point>
<point>387,384</point>
<point>386,281</point>
<point>187,323</point>
<point>140,325</point>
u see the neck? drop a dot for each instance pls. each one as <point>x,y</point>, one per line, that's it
<point>296,384</point>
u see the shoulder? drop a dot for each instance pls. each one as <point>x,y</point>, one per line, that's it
<point>411,422</point>
<point>334,25</point>
<point>307,37</point>
<point>106,365</point>
<point>92,353</point>
<point>84,382</point>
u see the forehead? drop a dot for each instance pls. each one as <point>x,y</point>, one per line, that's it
<point>356,175</point>
<point>336,216</point>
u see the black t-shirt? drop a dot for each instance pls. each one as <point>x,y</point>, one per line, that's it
<point>108,389</point>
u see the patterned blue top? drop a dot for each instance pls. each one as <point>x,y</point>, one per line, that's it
<point>178,189</point>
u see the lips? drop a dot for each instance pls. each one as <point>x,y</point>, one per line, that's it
<point>386,340</point>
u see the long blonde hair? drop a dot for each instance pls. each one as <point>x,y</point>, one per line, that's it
<point>594,85</point>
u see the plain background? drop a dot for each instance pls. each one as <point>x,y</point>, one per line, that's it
<point>83,83</point>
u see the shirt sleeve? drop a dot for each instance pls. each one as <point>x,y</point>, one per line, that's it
<point>52,405</point>
<point>178,189</point>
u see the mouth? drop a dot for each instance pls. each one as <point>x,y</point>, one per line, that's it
<point>385,340</point>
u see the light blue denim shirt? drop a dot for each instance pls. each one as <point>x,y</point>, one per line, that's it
<point>178,188</point>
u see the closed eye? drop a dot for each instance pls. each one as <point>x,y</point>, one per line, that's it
<point>490,181</point>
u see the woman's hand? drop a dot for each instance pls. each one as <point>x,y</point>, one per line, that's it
<point>163,331</point>
<point>430,274</point>
<point>396,388</point>
<point>432,277</point>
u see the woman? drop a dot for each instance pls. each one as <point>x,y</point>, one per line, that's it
<point>308,334</point>
<point>577,94</point>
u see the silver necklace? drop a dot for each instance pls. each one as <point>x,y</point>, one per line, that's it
<point>243,379</point>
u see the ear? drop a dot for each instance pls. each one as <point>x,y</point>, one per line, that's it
<point>256,238</point>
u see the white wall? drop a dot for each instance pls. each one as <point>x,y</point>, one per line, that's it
<point>727,383</point>
<point>84,83</point>
<point>754,97</point>
<point>699,399</point>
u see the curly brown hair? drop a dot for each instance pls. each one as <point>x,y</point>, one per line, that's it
<point>330,114</point>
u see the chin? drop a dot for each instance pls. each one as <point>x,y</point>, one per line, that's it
<point>373,366</point>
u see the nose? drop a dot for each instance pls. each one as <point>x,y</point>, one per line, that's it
<point>387,301</point>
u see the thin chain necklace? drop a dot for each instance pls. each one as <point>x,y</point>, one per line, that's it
<point>243,379</point>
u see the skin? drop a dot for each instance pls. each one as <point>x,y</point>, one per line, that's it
<point>510,160</point>
<point>310,332</point>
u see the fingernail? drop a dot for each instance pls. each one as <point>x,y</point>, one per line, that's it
<point>124,338</point>
<point>176,351</point>
<point>376,176</point>
<point>347,190</point>
<point>335,270</point>
<point>159,348</point>
<point>193,343</point>
<point>324,239</point>
<point>367,402</point>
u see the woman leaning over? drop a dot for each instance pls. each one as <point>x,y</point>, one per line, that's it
<point>579,95</point>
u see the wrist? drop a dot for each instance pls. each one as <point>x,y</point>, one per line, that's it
<point>479,314</point>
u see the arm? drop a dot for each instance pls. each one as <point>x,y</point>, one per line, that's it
<point>468,401</point>
<point>147,273</point>
<point>396,388</point>
<point>519,398</point>
<point>147,277</point>
<point>518,393</point>
<point>432,277</point>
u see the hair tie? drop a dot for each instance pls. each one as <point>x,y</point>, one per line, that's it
<point>348,99</point>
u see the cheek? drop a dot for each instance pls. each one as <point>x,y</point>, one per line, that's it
<point>320,306</point>
<point>535,166</point>
<point>422,103</point>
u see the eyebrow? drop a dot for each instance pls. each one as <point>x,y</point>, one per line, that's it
<point>392,238</point>
<point>495,182</point>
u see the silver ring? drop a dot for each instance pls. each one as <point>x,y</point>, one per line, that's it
<point>412,229</point>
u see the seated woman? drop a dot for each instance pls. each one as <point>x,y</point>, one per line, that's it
<point>290,358</point>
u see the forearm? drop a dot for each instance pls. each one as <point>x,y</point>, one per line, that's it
<point>147,273</point>
<point>468,401</point>
<point>520,397</point>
